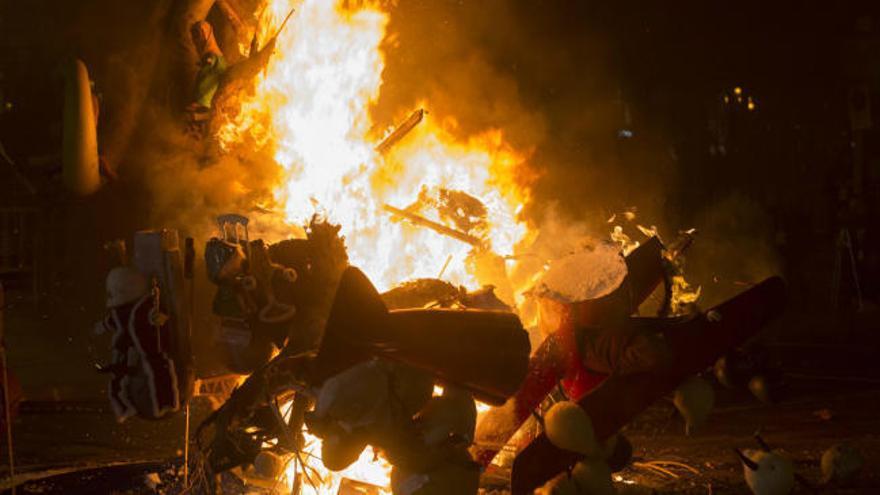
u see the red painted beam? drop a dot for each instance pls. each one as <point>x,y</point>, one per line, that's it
<point>695,343</point>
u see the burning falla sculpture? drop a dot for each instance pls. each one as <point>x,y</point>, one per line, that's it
<point>373,368</point>
<point>357,373</point>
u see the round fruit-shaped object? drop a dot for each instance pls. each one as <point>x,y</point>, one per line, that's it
<point>568,427</point>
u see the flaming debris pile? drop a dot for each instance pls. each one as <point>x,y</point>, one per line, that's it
<point>342,392</point>
<point>344,389</point>
<point>365,376</point>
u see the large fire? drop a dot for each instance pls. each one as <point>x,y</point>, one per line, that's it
<point>311,106</point>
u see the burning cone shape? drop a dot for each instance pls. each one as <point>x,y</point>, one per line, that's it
<point>694,400</point>
<point>485,352</point>
<point>569,428</point>
<point>767,472</point>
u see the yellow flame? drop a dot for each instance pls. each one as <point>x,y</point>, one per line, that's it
<point>627,243</point>
<point>312,108</point>
<point>315,479</point>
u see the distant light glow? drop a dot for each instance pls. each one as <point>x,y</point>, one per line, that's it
<point>624,133</point>
<point>737,90</point>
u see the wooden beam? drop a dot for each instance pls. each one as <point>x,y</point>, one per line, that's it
<point>435,226</point>
<point>696,344</point>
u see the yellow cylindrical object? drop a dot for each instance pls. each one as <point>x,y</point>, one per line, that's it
<point>80,140</point>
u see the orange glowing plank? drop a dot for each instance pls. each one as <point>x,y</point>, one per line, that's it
<point>437,227</point>
<point>401,131</point>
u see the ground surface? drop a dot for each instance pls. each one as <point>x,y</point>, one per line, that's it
<point>810,421</point>
<point>816,413</point>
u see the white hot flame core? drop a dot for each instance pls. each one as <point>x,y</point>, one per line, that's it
<point>369,468</point>
<point>312,108</point>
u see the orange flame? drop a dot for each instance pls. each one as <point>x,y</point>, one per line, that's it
<point>314,479</point>
<point>311,107</point>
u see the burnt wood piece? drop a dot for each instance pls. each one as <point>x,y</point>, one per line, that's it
<point>435,226</point>
<point>696,344</point>
<point>485,352</point>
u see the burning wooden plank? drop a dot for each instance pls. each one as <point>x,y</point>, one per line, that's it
<point>435,226</point>
<point>401,131</point>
